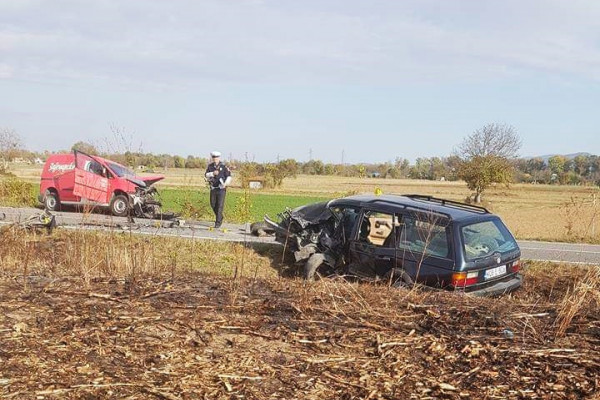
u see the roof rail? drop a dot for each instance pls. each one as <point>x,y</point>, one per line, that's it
<point>406,207</point>
<point>444,202</point>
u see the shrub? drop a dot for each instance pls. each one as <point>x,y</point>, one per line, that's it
<point>16,192</point>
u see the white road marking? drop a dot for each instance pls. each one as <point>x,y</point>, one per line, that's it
<point>558,249</point>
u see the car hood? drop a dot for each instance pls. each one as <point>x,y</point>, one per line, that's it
<point>144,181</point>
<point>311,214</point>
<point>150,179</point>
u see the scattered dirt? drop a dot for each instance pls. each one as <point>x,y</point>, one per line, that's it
<point>203,337</point>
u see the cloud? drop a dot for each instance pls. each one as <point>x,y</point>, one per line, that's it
<point>182,43</point>
<point>6,71</point>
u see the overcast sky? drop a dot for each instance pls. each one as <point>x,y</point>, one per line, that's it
<point>374,80</point>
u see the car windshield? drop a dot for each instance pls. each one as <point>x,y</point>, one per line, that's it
<point>120,170</point>
<point>485,238</point>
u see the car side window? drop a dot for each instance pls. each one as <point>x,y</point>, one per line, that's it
<point>424,234</point>
<point>376,228</point>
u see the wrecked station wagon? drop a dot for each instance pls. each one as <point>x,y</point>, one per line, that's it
<point>404,240</point>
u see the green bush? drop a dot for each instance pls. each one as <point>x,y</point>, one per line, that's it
<point>17,193</point>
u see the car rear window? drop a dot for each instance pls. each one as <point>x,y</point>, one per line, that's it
<point>482,239</point>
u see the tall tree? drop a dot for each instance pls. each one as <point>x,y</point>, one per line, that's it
<point>486,157</point>
<point>85,147</point>
<point>557,164</point>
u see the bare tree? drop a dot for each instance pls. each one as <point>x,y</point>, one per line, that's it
<point>494,139</point>
<point>10,144</point>
<point>486,157</point>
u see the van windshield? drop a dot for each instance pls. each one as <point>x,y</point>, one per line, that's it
<point>120,170</point>
<point>485,238</point>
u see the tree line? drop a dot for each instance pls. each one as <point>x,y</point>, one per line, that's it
<point>486,156</point>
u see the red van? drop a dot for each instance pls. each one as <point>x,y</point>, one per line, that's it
<point>78,178</point>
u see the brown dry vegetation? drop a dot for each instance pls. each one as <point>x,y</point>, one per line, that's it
<point>96,315</point>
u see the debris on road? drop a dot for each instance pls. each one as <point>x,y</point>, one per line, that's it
<point>38,221</point>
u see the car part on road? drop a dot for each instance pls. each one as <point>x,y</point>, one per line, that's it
<point>38,221</point>
<point>261,229</point>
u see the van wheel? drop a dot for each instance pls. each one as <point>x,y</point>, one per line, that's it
<point>51,202</point>
<point>119,206</point>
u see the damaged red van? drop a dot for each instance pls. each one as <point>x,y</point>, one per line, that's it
<point>81,179</point>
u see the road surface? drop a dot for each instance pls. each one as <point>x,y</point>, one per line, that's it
<point>576,253</point>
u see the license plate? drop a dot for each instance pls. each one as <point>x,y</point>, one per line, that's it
<point>494,272</point>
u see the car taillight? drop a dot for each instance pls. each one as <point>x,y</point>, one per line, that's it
<point>516,266</point>
<point>462,279</point>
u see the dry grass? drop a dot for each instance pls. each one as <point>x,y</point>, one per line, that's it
<point>95,255</point>
<point>99,315</point>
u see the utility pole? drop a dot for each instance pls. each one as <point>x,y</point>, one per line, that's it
<point>343,156</point>
<point>310,154</point>
<point>277,158</point>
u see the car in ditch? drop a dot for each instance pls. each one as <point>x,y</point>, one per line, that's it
<point>81,179</point>
<point>404,240</point>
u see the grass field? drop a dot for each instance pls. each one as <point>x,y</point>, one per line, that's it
<point>544,212</point>
<point>194,202</point>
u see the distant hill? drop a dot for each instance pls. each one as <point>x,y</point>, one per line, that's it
<point>567,156</point>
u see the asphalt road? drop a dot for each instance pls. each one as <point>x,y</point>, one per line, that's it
<point>576,253</point>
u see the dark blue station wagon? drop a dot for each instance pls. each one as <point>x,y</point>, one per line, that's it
<point>404,240</point>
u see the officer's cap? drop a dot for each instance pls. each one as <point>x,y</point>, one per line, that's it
<point>214,154</point>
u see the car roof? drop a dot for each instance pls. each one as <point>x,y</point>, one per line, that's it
<point>454,210</point>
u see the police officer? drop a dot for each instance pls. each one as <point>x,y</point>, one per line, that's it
<point>219,177</point>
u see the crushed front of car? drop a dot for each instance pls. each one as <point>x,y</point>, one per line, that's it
<point>309,232</point>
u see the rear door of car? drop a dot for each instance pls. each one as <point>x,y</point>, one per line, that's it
<point>371,251</point>
<point>424,247</point>
<point>490,252</point>
<point>91,182</point>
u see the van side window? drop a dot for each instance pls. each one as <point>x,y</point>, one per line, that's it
<point>93,167</point>
<point>424,234</point>
<point>376,228</point>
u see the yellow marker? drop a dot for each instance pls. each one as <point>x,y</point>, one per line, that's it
<point>378,192</point>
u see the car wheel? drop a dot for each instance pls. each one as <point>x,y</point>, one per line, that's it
<point>51,201</point>
<point>119,206</point>
<point>316,263</point>
<point>399,279</point>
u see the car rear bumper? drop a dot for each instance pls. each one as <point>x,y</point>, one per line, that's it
<point>499,288</point>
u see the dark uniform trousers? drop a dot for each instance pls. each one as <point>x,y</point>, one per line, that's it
<point>217,203</point>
